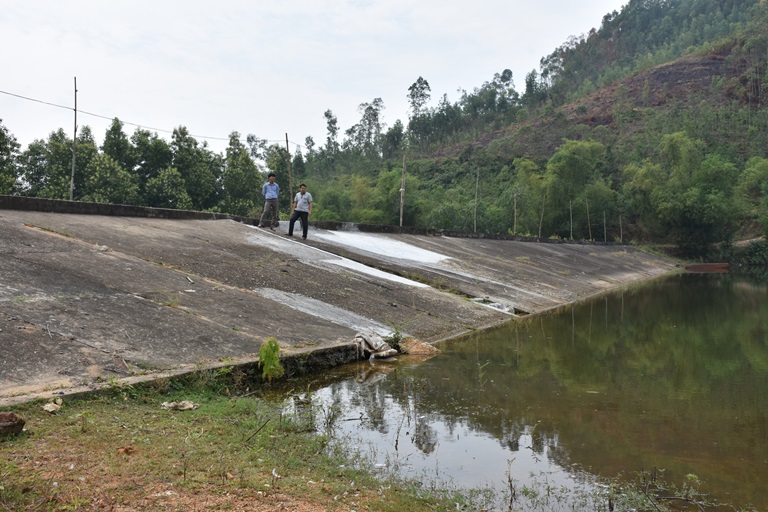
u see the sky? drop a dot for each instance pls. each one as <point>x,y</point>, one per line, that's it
<point>258,67</point>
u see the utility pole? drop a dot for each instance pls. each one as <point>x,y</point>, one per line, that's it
<point>74,151</point>
<point>514,224</point>
<point>402,193</point>
<point>477,186</point>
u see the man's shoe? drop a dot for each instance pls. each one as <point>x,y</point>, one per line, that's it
<point>304,237</point>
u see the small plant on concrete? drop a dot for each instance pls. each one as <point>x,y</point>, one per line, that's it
<point>395,338</point>
<point>269,360</point>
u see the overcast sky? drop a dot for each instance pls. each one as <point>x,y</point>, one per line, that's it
<point>258,67</point>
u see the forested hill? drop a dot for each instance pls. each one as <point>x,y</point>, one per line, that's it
<point>651,128</point>
<point>657,120</point>
<point>657,54</point>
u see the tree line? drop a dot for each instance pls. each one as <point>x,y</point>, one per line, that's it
<point>692,172</point>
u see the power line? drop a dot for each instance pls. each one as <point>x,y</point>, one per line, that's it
<point>141,126</point>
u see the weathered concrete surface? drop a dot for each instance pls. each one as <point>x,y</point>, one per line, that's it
<point>85,299</point>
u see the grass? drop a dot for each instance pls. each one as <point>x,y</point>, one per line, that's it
<point>241,450</point>
<point>120,450</point>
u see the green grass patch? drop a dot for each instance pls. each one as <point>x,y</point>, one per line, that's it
<point>120,448</point>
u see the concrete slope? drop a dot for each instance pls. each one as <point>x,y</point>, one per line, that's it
<point>87,299</point>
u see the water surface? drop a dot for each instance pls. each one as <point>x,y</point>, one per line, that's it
<point>672,374</point>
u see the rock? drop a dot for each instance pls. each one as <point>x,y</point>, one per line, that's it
<point>11,423</point>
<point>184,405</point>
<point>415,347</point>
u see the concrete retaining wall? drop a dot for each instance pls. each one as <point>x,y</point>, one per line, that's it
<point>119,210</point>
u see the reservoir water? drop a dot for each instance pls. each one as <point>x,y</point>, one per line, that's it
<point>672,375</point>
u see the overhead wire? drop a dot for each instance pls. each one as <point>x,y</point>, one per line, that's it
<point>140,126</point>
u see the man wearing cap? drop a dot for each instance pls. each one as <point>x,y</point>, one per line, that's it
<point>270,191</point>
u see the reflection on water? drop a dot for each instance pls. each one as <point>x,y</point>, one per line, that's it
<point>673,375</point>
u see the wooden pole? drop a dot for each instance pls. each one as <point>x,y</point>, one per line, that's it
<point>74,151</point>
<point>477,186</point>
<point>621,231</point>
<point>589,224</point>
<point>514,224</point>
<point>605,229</point>
<point>541,221</point>
<point>570,207</point>
<point>402,193</point>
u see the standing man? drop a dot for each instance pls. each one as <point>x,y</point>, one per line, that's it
<point>270,191</point>
<point>302,209</point>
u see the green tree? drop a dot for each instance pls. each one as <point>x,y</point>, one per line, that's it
<point>47,166</point>
<point>640,181</point>
<point>393,142</point>
<point>9,152</point>
<point>528,193</point>
<point>387,198</point>
<point>168,190</point>
<point>365,136</point>
<point>753,183</point>
<point>328,154</point>
<point>117,146</point>
<point>574,166</point>
<point>241,179</point>
<point>153,154</point>
<point>696,203</point>
<point>200,169</point>
<point>33,172</point>
<point>332,204</point>
<point>418,96</point>
<point>108,182</point>
<point>86,152</point>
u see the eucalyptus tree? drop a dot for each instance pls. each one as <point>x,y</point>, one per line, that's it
<point>328,154</point>
<point>257,147</point>
<point>168,190</point>
<point>153,154</point>
<point>9,171</point>
<point>33,169</point>
<point>86,151</point>
<point>529,197</point>
<point>418,96</point>
<point>117,146</point>
<point>364,138</point>
<point>299,166</point>
<point>108,182</point>
<point>574,173</point>
<point>241,179</point>
<point>393,141</point>
<point>46,166</point>
<point>199,167</point>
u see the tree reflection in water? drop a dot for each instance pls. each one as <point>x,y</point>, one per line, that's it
<point>673,374</point>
